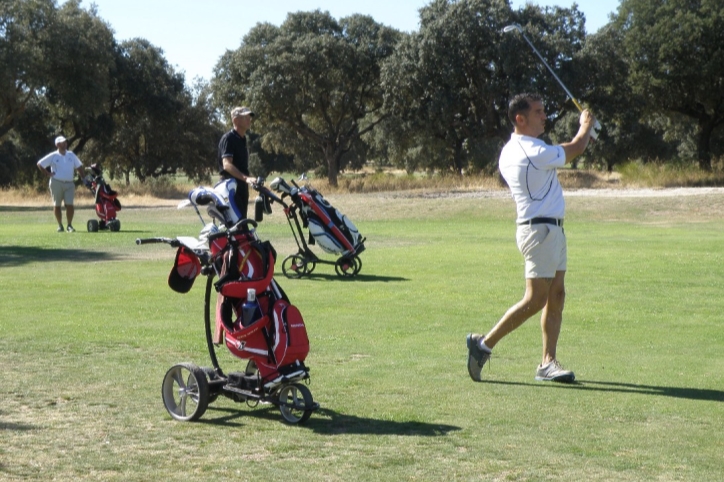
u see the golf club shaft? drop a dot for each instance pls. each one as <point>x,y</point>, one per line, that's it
<point>597,125</point>
<point>577,104</point>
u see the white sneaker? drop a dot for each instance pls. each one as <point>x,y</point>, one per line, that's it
<point>476,356</point>
<point>554,372</point>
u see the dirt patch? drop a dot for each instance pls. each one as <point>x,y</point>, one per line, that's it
<point>663,192</point>
<point>607,192</point>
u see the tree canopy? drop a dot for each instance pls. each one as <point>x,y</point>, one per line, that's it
<point>314,82</point>
<point>62,72</point>
<point>333,94</point>
<point>675,51</point>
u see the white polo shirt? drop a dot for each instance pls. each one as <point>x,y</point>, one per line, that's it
<point>62,165</point>
<point>529,166</point>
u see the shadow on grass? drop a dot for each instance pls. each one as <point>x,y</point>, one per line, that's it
<point>20,255</point>
<point>17,427</point>
<point>358,278</point>
<point>328,422</point>
<point>617,387</point>
<point>26,209</point>
<point>78,207</point>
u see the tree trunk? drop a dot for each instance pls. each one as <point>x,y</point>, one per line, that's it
<point>706,127</point>
<point>458,157</point>
<point>332,162</point>
<point>334,154</point>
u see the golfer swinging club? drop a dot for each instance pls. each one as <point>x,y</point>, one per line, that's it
<point>529,166</point>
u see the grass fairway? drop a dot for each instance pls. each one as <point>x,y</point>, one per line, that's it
<point>89,328</point>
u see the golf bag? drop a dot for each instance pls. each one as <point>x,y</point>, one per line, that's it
<point>274,335</point>
<point>254,317</point>
<point>107,204</point>
<point>331,230</point>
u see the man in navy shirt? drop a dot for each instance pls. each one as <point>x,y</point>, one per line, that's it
<point>233,158</point>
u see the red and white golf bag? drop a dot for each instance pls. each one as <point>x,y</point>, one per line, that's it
<point>276,339</point>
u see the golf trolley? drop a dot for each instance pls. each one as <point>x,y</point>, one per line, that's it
<point>106,201</point>
<point>328,228</point>
<point>252,317</point>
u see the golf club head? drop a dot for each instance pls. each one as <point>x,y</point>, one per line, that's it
<point>183,204</point>
<point>596,130</point>
<point>202,196</point>
<point>512,27</point>
<point>279,185</point>
<point>208,230</point>
<point>216,214</point>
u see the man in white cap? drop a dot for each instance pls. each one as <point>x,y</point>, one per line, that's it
<point>233,158</point>
<point>59,166</point>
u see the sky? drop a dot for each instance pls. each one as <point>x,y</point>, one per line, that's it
<point>194,34</point>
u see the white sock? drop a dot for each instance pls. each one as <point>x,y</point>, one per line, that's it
<point>483,346</point>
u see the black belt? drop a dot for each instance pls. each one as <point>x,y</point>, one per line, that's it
<point>557,222</point>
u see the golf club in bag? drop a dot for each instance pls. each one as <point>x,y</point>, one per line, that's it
<point>517,28</point>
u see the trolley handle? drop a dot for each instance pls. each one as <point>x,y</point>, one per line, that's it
<point>266,192</point>
<point>173,242</point>
<point>239,226</point>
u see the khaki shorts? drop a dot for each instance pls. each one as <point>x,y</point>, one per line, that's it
<point>62,191</point>
<point>544,248</point>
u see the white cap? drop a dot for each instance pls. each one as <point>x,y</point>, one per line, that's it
<point>59,139</point>
<point>241,111</point>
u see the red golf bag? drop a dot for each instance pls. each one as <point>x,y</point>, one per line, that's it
<point>276,339</point>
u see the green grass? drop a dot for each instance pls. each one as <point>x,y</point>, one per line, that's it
<point>89,327</point>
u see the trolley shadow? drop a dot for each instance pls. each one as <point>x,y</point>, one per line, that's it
<point>356,279</point>
<point>330,422</point>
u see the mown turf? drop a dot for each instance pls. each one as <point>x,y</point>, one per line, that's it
<point>89,327</point>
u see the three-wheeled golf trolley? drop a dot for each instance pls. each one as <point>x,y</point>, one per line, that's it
<point>252,316</point>
<point>107,204</point>
<point>329,229</point>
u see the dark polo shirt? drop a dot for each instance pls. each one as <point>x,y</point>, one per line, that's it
<point>234,146</point>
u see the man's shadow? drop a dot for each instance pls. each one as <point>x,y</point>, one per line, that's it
<point>618,387</point>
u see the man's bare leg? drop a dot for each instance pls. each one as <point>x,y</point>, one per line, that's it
<point>58,215</point>
<point>552,317</point>
<point>69,212</point>
<point>534,300</point>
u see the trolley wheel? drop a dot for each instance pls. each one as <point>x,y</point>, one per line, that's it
<point>347,267</point>
<point>211,375</point>
<point>185,392</point>
<point>92,225</point>
<point>114,225</point>
<point>294,266</point>
<point>295,403</point>
<point>358,266</point>
<point>309,266</point>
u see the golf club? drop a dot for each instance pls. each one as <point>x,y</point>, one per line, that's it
<point>519,29</point>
